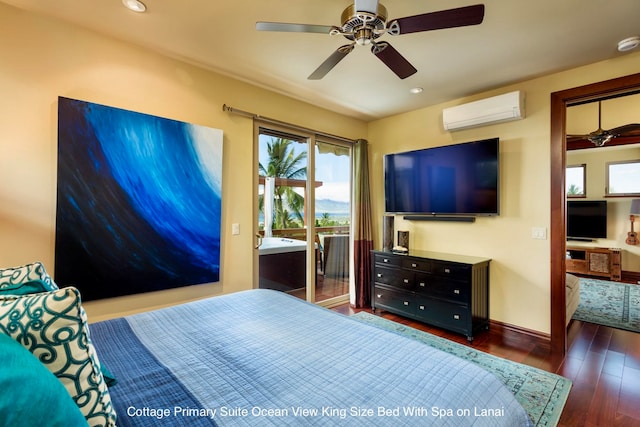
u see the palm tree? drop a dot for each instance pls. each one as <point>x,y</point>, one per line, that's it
<point>325,220</point>
<point>574,189</point>
<point>284,163</point>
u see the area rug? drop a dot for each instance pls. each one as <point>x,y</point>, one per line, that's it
<point>541,393</point>
<point>608,303</point>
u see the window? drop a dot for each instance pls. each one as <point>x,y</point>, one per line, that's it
<point>623,178</point>
<point>576,184</point>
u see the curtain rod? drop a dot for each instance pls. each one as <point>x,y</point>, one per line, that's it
<point>229,109</point>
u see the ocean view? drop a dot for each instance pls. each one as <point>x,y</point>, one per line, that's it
<point>334,209</point>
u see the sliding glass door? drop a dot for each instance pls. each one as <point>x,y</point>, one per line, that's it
<point>333,217</point>
<point>303,219</point>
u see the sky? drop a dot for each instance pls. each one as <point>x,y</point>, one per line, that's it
<point>622,176</point>
<point>334,172</point>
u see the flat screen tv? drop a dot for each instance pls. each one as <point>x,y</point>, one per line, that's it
<point>586,219</point>
<point>460,179</point>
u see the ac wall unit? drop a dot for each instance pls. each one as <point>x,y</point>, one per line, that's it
<point>497,109</point>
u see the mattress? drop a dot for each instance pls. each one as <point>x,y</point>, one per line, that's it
<point>265,358</point>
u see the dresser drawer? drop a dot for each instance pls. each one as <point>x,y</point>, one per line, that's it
<point>577,266</point>
<point>422,281</point>
<point>394,276</point>
<point>446,315</point>
<point>451,270</point>
<point>395,300</point>
<point>434,286</point>
<point>415,264</point>
<point>387,259</point>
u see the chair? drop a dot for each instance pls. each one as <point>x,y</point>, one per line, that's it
<point>336,256</point>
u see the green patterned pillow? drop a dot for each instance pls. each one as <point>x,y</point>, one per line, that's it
<point>15,277</point>
<point>53,326</point>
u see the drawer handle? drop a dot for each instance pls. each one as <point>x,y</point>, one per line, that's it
<point>406,302</point>
<point>456,291</point>
<point>379,296</point>
<point>379,275</point>
<point>414,265</point>
<point>405,280</point>
<point>421,307</point>
<point>456,316</point>
<point>423,284</point>
<point>385,260</point>
<point>447,270</point>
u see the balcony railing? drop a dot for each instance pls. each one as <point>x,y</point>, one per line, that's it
<point>301,233</point>
<point>332,258</point>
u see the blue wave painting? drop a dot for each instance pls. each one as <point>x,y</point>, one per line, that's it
<point>138,201</point>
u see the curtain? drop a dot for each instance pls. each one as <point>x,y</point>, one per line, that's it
<point>362,226</point>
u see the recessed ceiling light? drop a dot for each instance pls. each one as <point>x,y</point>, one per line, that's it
<point>416,90</point>
<point>628,44</point>
<point>134,5</point>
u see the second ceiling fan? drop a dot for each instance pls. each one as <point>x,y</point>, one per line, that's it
<point>600,137</point>
<point>366,20</point>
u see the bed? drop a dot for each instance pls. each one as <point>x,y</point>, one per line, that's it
<point>264,358</point>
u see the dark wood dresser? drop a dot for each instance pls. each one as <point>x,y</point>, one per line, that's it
<point>445,290</point>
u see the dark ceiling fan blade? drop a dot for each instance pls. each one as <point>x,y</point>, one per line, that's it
<point>631,129</point>
<point>331,62</point>
<point>293,28</point>
<point>571,138</point>
<point>392,59</point>
<point>450,18</point>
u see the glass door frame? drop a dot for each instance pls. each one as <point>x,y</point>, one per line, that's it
<point>311,271</point>
<point>328,140</point>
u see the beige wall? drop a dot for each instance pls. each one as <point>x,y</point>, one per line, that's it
<point>520,283</point>
<point>43,59</point>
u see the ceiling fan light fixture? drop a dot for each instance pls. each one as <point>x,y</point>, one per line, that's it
<point>134,5</point>
<point>629,43</point>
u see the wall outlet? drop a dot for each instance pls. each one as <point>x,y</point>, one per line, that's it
<point>235,228</point>
<point>539,233</point>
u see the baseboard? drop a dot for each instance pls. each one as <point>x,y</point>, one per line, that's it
<point>506,327</point>
<point>631,277</point>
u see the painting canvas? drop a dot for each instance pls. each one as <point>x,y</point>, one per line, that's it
<point>138,201</point>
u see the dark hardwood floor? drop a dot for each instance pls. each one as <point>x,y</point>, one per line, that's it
<point>602,362</point>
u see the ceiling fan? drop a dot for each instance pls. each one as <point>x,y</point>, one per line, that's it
<point>366,20</point>
<point>600,137</point>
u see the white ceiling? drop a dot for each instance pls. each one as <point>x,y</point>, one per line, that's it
<point>518,40</point>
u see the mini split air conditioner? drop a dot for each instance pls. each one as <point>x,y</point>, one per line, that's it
<point>497,109</point>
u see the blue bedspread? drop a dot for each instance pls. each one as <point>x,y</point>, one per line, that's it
<point>264,358</point>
